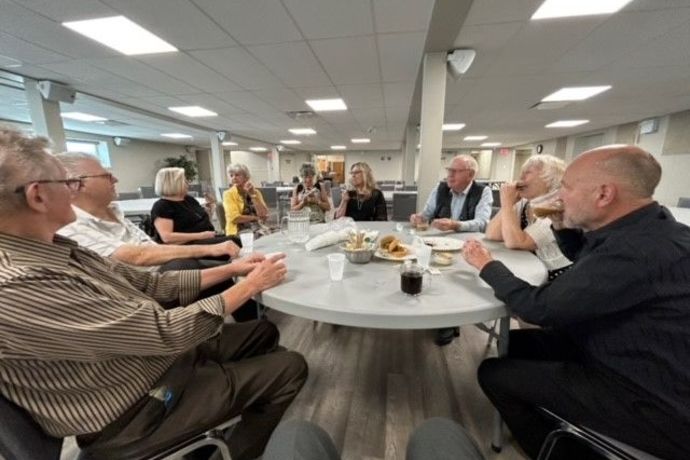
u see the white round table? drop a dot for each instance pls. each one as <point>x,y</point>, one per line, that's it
<point>369,294</point>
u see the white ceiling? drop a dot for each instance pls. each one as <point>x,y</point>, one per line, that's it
<point>252,60</point>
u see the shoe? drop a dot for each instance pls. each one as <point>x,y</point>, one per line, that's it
<point>446,335</point>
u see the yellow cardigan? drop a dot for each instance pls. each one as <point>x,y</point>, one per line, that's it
<point>234,206</point>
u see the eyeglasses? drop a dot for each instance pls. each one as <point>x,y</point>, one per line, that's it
<point>73,184</point>
<point>356,172</point>
<point>109,176</point>
<point>456,171</point>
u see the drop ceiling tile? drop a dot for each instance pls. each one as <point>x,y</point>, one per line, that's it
<point>349,61</point>
<point>401,55</point>
<point>26,52</point>
<point>283,99</point>
<point>69,10</point>
<point>190,71</point>
<point>361,96</point>
<point>239,66</point>
<point>141,73</point>
<point>293,63</point>
<point>402,15</point>
<point>332,18</point>
<point>398,94</point>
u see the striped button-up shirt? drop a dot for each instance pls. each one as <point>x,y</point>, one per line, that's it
<point>82,338</point>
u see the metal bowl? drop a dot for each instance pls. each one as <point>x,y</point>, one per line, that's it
<point>359,256</point>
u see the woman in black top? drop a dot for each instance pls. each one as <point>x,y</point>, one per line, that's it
<point>365,202</point>
<point>178,217</point>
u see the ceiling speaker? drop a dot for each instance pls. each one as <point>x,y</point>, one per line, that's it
<point>459,61</point>
<point>56,92</point>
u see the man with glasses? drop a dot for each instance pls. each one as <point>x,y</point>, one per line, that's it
<point>458,204</point>
<point>87,350</point>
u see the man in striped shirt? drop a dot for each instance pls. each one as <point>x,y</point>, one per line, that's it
<point>87,350</point>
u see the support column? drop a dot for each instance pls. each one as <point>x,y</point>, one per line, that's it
<point>274,165</point>
<point>218,176</point>
<point>409,151</point>
<point>431,127</point>
<point>45,116</point>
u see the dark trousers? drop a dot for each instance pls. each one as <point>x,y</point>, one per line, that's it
<point>247,312</point>
<point>241,371</point>
<point>543,369</point>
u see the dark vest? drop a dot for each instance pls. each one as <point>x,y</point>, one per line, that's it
<point>444,196</point>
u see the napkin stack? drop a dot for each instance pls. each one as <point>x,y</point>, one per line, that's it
<point>331,237</point>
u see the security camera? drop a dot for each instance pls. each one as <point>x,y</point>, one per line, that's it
<point>459,61</point>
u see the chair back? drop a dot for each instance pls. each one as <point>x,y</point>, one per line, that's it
<point>404,204</point>
<point>128,196</point>
<point>684,202</point>
<point>496,195</point>
<point>220,214</point>
<point>21,438</point>
<point>270,195</point>
<point>336,196</point>
<point>147,192</point>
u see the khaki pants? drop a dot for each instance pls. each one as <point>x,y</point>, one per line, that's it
<point>241,371</point>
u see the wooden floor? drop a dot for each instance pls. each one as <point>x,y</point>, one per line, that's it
<point>369,388</point>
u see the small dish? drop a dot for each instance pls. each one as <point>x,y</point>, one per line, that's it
<point>442,258</point>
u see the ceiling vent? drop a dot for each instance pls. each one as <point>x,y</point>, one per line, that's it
<point>300,114</point>
<point>550,105</point>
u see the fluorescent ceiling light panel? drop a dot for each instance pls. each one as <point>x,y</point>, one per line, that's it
<point>229,143</point>
<point>176,135</point>
<point>121,34</point>
<point>566,123</point>
<point>338,147</point>
<point>570,8</point>
<point>475,138</point>
<point>453,126</point>
<point>193,111</point>
<point>290,142</point>
<point>302,131</point>
<point>258,149</point>
<point>362,140</point>
<point>326,105</point>
<point>80,116</point>
<point>575,93</point>
<point>490,144</point>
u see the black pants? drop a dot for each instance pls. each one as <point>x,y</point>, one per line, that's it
<point>247,312</point>
<point>543,369</point>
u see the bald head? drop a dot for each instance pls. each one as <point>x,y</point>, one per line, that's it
<point>635,172</point>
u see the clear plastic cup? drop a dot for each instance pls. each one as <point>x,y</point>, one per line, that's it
<point>247,239</point>
<point>336,266</point>
<point>423,253</point>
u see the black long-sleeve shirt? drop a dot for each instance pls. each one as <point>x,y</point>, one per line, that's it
<point>625,302</point>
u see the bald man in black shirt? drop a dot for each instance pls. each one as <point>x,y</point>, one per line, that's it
<point>614,350</point>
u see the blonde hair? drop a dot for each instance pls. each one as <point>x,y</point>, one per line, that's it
<point>170,181</point>
<point>367,175</point>
<point>551,169</point>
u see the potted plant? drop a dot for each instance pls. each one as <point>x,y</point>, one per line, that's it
<point>189,166</point>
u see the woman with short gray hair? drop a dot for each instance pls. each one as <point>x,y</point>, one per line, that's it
<point>517,225</point>
<point>309,194</point>
<point>177,216</point>
<point>245,208</point>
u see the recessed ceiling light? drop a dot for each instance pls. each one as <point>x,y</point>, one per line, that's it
<point>475,138</point>
<point>453,126</point>
<point>302,131</point>
<point>361,140</point>
<point>576,93</point>
<point>80,116</point>
<point>338,147</point>
<point>326,105</point>
<point>193,111</point>
<point>121,34</point>
<point>569,8</point>
<point>258,149</point>
<point>566,123</point>
<point>229,143</point>
<point>490,144</point>
<point>176,135</point>
<point>290,142</point>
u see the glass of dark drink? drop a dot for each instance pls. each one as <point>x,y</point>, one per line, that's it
<point>411,277</point>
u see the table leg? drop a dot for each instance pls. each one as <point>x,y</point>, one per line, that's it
<point>504,329</point>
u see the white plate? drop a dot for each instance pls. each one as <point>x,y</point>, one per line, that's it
<point>386,256</point>
<point>442,243</point>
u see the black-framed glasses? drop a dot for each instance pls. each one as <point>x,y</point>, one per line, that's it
<point>109,176</point>
<point>73,184</point>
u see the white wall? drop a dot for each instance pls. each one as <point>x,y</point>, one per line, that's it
<point>290,163</point>
<point>257,162</point>
<point>502,165</point>
<point>383,169</point>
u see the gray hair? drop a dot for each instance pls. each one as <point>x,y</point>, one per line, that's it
<point>307,169</point>
<point>238,168</point>
<point>169,181</point>
<point>72,161</point>
<point>23,158</point>
<point>551,169</point>
<point>470,161</point>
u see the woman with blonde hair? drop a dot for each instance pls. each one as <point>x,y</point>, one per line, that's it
<point>309,194</point>
<point>517,226</point>
<point>177,216</point>
<point>245,208</point>
<point>363,201</point>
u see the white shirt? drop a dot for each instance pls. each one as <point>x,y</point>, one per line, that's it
<point>482,213</point>
<point>547,247</point>
<point>104,236</point>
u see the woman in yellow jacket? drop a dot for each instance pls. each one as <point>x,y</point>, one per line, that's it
<point>245,208</point>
